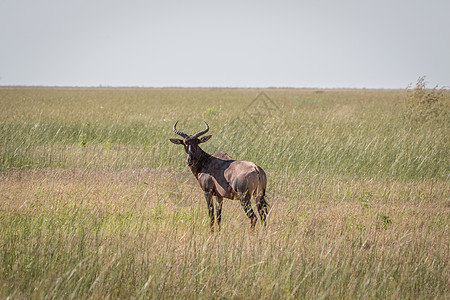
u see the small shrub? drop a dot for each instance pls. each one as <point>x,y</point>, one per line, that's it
<point>365,199</point>
<point>82,139</point>
<point>385,220</point>
<point>423,104</point>
<point>211,111</point>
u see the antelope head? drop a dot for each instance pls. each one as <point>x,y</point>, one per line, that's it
<point>190,142</point>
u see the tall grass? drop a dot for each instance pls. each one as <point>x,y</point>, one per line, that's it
<point>72,234</point>
<point>96,203</point>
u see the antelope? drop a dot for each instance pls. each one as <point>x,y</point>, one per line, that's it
<point>223,177</point>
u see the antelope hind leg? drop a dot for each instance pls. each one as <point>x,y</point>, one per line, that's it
<point>245,202</point>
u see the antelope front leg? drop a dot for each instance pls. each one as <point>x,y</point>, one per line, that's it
<point>219,201</point>
<point>210,205</point>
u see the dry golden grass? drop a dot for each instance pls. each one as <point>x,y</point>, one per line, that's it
<point>144,233</point>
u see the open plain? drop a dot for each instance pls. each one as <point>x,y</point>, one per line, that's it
<point>95,202</point>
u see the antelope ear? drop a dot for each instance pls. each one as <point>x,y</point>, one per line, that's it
<point>205,138</point>
<point>176,141</point>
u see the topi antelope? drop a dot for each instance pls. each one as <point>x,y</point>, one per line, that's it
<point>223,177</point>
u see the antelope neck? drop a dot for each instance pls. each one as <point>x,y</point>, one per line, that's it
<point>199,160</point>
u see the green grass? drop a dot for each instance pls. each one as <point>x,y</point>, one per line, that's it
<point>96,203</point>
<point>362,133</point>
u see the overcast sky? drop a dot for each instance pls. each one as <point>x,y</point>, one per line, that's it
<point>317,43</point>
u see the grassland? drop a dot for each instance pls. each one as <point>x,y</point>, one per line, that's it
<point>96,203</point>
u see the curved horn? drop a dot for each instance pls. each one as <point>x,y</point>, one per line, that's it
<point>179,132</point>
<point>202,132</point>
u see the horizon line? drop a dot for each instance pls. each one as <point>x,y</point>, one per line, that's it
<point>197,87</point>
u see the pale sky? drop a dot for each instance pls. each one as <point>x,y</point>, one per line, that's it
<point>317,43</point>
